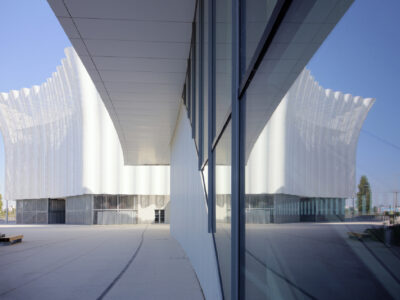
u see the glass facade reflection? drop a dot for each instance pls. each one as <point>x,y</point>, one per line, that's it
<point>223,61</point>
<point>287,220</point>
<point>198,100</point>
<point>223,208</point>
<point>206,24</point>
<point>256,16</point>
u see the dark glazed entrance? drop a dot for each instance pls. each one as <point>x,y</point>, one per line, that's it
<point>159,216</point>
<point>56,211</point>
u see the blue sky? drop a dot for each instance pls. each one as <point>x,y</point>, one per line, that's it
<point>361,57</point>
<point>32,45</point>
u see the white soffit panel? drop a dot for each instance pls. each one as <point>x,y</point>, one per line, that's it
<point>136,54</point>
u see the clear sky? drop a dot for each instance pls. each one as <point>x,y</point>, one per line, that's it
<point>360,57</point>
<point>32,44</point>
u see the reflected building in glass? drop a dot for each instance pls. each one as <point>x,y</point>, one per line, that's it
<point>261,157</point>
<point>302,167</point>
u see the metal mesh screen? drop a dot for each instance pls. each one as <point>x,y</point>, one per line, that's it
<point>98,202</point>
<point>32,211</point>
<point>111,202</point>
<point>111,217</point>
<point>125,202</point>
<point>29,217</point>
<point>115,209</point>
<point>41,218</point>
<point>41,204</point>
<point>107,217</point>
<point>29,205</point>
<point>79,208</point>
<point>20,205</point>
<point>127,217</point>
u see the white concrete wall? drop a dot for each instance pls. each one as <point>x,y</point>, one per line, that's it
<point>146,213</point>
<point>189,209</point>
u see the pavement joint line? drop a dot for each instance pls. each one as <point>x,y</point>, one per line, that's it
<point>64,263</point>
<point>111,285</point>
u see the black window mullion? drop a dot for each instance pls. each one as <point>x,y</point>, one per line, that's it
<point>221,130</point>
<point>184,94</point>
<point>237,173</point>
<point>189,86</point>
<point>200,87</point>
<point>211,116</point>
<point>193,75</point>
<point>270,30</point>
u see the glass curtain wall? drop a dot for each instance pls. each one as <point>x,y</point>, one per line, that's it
<point>256,15</point>
<point>279,218</point>
<point>223,62</point>
<point>223,206</point>
<point>205,40</point>
<point>198,91</point>
<point>193,82</point>
<point>115,209</point>
<point>223,145</point>
<point>211,129</point>
<point>298,241</point>
<point>193,89</point>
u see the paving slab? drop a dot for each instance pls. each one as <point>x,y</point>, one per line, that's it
<point>88,262</point>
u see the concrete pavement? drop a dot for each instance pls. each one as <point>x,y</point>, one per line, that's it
<point>90,262</point>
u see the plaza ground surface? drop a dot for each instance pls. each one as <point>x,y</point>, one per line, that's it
<point>284,261</point>
<point>320,261</point>
<point>90,262</point>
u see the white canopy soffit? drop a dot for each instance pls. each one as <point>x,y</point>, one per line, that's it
<point>136,54</point>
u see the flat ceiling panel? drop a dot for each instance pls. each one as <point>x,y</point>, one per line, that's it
<point>136,53</point>
<point>88,63</point>
<point>165,10</point>
<point>58,8</point>
<point>79,46</point>
<point>137,49</point>
<point>149,98</point>
<point>69,28</point>
<point>146,31</point>
<point>140,64</point>
<point>139,87</point>
<point>173,78</point>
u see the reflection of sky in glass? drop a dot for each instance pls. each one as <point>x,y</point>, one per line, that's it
<point>1,164</point>
<point>361,57</point>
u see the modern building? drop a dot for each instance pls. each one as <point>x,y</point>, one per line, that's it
<point>66,166</point>
<point>302,166</point>
<point>63,158</point>
<point>217,91</point>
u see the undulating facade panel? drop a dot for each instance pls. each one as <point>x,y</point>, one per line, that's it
<point>308,147</point>
<point>189,209</point>
<point>60,142</point>
<point>42,134</point>
<point>302,165</point>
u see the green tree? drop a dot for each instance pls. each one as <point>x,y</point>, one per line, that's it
<point>364,195</point>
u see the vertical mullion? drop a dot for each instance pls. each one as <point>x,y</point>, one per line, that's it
<point>189,74</point>
<point>193,75</point>
<point>235,169</point>
<point>200,87</point>
<point>211,116</point>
